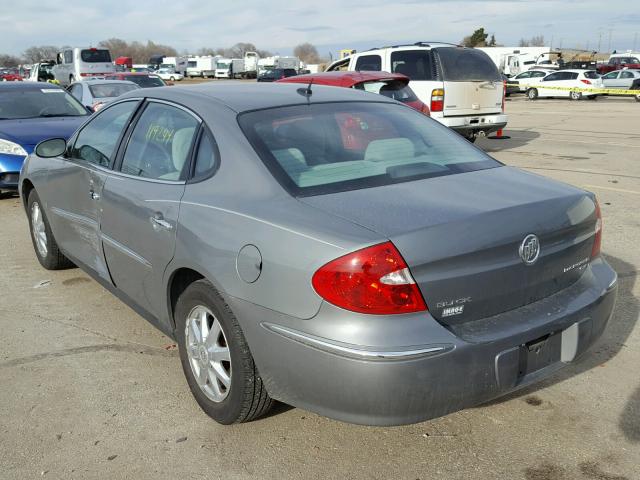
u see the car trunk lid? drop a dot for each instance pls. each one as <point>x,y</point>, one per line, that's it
<point>461,235</point>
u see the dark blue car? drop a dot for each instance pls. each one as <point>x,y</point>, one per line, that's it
<point>29,113</point>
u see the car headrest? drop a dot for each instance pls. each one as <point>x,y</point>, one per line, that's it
<point>388,149</point>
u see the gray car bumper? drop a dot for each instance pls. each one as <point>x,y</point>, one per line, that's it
<point>405,369</point>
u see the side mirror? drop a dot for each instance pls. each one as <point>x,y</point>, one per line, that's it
<point>54,147</point>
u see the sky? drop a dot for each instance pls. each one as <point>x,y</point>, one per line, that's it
<point>279,25</point>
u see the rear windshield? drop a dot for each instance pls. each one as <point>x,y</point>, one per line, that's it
<point>415,64</point>
<point>391,88</point>
<point>41,102</point>
<point>95,56</point>
<point>145,81</point>
<point>467,65</point>
<point>591,74</point>
<point>103,90</point>
<point>325,148</point>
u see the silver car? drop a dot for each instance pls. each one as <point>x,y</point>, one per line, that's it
<point>627,79</point>
<point>95,94</point>
<point>328,248</point>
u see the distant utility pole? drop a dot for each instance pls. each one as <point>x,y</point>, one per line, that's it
<point>599,41</point>
<point>635,41</point>
<point>610,32</point>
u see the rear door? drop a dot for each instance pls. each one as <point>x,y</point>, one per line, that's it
<point>625,80</point>
<point>420,66</point>
<point>472,83</point>
<point>141,201</point>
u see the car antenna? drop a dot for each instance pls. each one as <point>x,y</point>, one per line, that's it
<point>306,91</point>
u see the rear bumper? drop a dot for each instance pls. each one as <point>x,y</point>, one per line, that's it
<point>475,123</point>
<point>389,371</point>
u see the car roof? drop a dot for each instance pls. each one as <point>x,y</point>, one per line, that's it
<point>121,74</point>
<point>344,79</point>
<point>242,97</point>
<point>22,86</point>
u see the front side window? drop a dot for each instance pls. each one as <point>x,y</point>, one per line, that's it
<point>325,148</point>
<point>369,63</point>
<point>611,76</point>
<point>467,65</point>
<point>160,144</point>
<point>538,74</point>
<point>96,142</point>
<point>415,64</point>
<point>524,75</point>
<point>93,55</point>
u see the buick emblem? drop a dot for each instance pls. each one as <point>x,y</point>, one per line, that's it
<point>529,249</point>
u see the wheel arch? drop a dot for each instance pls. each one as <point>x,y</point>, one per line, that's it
<point>26,189</point>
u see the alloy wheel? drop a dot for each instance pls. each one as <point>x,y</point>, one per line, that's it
<point>208,353</point>
<point>39,230</point>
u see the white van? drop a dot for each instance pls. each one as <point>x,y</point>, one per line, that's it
<point>462,86</point>
<point>75,64</point>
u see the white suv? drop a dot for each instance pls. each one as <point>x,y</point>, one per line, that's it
<point>462,86</point>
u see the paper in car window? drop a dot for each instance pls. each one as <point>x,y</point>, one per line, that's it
<point>51,90</point>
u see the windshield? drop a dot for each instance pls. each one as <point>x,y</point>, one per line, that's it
<point>331,147</point>
<point>103,90</point>
<point>95,56</point>
<point>395,89</point>
<point>223,64</point>
<point>145,81</point>
<point>467,65</point>
<point>41,102</point>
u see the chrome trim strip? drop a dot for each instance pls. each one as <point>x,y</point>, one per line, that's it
<point>75,217</point>
<point>410,353</point>
<point>125,250</point>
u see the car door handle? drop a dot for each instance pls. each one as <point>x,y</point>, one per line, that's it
<point>94,195</point>
<point>159,221</point>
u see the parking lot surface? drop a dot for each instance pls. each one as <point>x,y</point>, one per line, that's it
<point>90,390</point>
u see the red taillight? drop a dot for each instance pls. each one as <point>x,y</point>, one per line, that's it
<point>597,238</point>
<point>374,280</point>
<point>437,100</point>
<point>586,81</point>
<point>425,109</point>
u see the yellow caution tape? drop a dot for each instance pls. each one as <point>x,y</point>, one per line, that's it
<point>608,91</point>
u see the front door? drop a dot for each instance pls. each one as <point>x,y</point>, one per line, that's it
<point>141,202</point>
<point>74,187</point>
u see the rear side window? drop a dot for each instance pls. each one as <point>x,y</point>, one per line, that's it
<point>537,74</point>
<point>392,89</point>
<point>96,142</point>
<point>207,157</point>
<point>467,65</point>
<point>626,74</point>
<point>160,143</point>
<point>325,148</point>
<point>95,56</point>
<point>415,64</point>
<point>369,63</point>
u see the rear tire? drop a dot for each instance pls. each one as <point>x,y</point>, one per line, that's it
<point>44,244</point>
<point>244,397</point>
<point>575,95</point>
<point>532,93</point>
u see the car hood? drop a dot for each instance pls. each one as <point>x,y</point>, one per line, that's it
<point>30,131</point>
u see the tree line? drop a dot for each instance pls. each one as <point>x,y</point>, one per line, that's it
<point>141,52</point>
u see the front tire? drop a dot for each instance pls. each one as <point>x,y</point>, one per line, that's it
<point>172,79</point>
<point>215,357</point>
<point>44,244</point>
<point>532,93</point>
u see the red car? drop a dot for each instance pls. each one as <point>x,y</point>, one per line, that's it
<point>142,79</point>
<point>10,77</point>
<point>392,85</point>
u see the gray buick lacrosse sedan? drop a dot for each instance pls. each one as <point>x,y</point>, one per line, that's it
<point>329,248</point>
